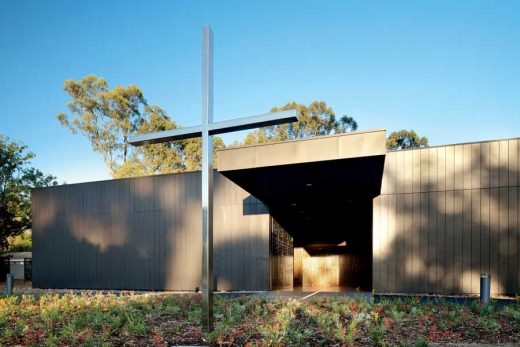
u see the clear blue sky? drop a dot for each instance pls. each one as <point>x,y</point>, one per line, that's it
<point>448,69</point>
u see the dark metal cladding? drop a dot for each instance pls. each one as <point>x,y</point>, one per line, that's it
<point>446,215</point>
<point>144,234</point>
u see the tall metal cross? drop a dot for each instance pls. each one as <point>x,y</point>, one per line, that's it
<point>206,130</point>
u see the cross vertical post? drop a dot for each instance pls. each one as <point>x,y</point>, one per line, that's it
<point>207,180</point>
<point>206,130</point>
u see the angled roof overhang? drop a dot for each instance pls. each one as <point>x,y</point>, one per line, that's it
<point>303,181</point>
<point>336,147</point>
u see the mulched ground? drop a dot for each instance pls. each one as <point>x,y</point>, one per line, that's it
<point>60,317</point>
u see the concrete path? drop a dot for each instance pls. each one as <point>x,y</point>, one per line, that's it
<point>301,295</point>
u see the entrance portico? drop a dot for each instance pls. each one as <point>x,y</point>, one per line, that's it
<point>319,191</point>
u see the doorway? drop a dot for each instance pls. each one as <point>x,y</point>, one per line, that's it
<point>336,254</point>
<point>325,208</point>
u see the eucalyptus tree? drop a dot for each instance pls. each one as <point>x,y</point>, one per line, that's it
<point>105,117</point>
<point>162,158</point>
<point>405,139</point>
<point>315,119</point>
<point>108,117</point>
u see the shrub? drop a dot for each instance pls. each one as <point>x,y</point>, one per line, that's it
<point>20,243</point>
<point>95,319</point>
<point>377,332</point>
<point>275,332</point>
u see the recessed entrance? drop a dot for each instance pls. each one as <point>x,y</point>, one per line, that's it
<point>321,229</point>
<point>339,254</point>
<point>320,193</point>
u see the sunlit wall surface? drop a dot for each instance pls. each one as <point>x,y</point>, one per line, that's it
<point>445,215</point>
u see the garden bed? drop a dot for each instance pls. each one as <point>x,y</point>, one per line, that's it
<point>173,319</point>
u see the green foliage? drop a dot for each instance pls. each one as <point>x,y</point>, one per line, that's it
<point>193,152</point>
<point>162,158</point>
<point>397,315</point>
<point>219,329</point>
<point>170,308</point>
<point>331,324</point>
<point>194,314</point>
<point>108,117</point>
<point>90,319</point>
<point>155,158</point>
<point>20,243</point>
<point>313,120</point>
<point>302,328</point>
<point>135,324</point>
<point>275,331</point>
<point>17,178</point>
<point>405,139</point>
<point>488,324</point>
<point>352,329</point>
<point>421,342</point>
<point>481,309</point>
<point>377,332</point>
<point>234,312</point>
<point>273,334</point>
<point>105,117</point>
<point>512,313</point>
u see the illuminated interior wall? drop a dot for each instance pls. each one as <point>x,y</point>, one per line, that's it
<point>300,254</point>
<point>334,267</point>
<point>447,214</point>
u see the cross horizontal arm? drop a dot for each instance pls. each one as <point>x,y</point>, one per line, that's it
<point>166,135</point>
<point>245,123</point>
<point>263,120</point>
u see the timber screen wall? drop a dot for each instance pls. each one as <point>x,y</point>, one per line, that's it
<point>144,233</point>
<point>447,214</point>
<point>282,256</point>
